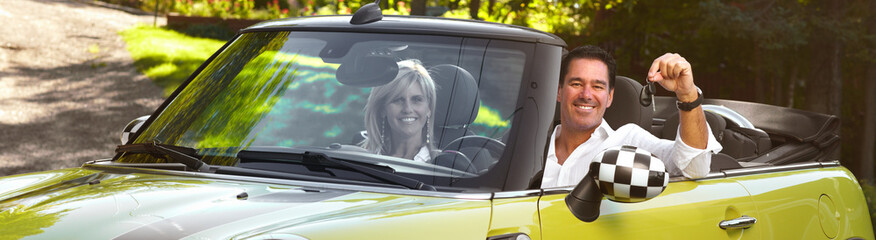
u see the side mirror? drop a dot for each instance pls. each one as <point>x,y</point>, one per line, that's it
<point>622,174</point>
<point>132,128</point>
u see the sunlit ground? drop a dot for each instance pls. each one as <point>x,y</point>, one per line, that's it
<point>67,85</point>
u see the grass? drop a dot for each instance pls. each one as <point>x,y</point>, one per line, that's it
<point>166,56</point>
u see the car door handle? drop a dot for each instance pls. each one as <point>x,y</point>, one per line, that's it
<point>737,223</point>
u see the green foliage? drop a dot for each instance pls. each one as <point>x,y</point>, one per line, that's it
<point>214,8</point>
<point>458,14</point>
<point>165,56</point>
<point>774,28</point>
<point>242,9</point>
<point>488,117</point>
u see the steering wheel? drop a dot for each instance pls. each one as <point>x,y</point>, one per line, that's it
<point>492,146</point>
<point>455,160</point>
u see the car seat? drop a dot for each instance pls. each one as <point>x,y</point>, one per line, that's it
<point>718,125</point>
<point>738,142</point>
<point>457,103</point>
<point>457,107</point>
<point>625,107</point>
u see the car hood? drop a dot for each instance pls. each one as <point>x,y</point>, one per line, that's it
<point>85,203</point>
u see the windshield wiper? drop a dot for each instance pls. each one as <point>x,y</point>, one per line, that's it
<point>174,152</point>
<point>310,155</point>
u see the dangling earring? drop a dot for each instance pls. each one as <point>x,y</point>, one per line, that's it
<point>383,138</point>
<point>428,133</point>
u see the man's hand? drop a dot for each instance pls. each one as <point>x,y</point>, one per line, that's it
<point>674,73</point>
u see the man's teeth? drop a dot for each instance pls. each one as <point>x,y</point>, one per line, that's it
<point>408,119</point>
<point>585,107</point>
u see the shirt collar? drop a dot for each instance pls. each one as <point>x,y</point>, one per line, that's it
<point>422,155</point>
<point>602,131</point>
<point>551,152</point>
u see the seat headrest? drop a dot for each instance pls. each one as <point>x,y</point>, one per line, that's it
<point>625,107</point>
<point>457,96</point>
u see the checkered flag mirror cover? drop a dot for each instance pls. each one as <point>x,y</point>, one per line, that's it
<point>629,174</point>
<point>133,127</point>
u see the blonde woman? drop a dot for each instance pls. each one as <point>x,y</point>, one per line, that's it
<point>398,115</point>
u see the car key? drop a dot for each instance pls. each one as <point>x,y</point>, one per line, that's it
<point>651,91</point>
<point>646,97</point>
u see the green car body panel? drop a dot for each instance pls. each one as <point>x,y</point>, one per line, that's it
<point>693,209</point>
<point>94,203</point>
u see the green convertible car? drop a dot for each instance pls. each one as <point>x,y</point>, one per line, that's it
<point>279,135</point>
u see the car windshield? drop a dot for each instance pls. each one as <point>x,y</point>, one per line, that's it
<point>433,108</point>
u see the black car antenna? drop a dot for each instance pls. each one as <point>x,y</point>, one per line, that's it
<point>367,14</point>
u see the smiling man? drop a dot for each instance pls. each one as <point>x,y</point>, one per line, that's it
<point>586,89</point>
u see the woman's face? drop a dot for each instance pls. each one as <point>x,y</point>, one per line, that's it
<point>406,114</point>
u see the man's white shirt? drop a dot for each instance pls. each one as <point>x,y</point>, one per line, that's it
<point>679,158</point>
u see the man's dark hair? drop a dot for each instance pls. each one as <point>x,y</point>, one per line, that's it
<point>589,52</point>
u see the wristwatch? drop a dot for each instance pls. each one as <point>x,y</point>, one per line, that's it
<point>687,106</point>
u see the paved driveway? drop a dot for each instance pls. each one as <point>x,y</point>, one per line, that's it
<point>67,84</point>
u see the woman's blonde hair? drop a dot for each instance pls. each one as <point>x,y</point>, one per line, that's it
<point>409,72</point>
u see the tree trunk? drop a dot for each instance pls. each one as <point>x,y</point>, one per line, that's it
<point>818,78</point>
<point>836,79</point>
<point>836,76</point>
<point>792,85</point>
<point>473,7</point>
<point>778,89</point>
<point>760,90</point>
<point>869,142</point>
<point>824,80</point>
<point>867,155</point>
<point>418,7</point>
<point>599,19</point>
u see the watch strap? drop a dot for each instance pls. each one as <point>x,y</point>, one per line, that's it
<point>687,106</point>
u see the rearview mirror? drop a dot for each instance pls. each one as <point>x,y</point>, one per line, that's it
<point>132,128</point>
<point>367,71</point>
<point>622,174</point>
